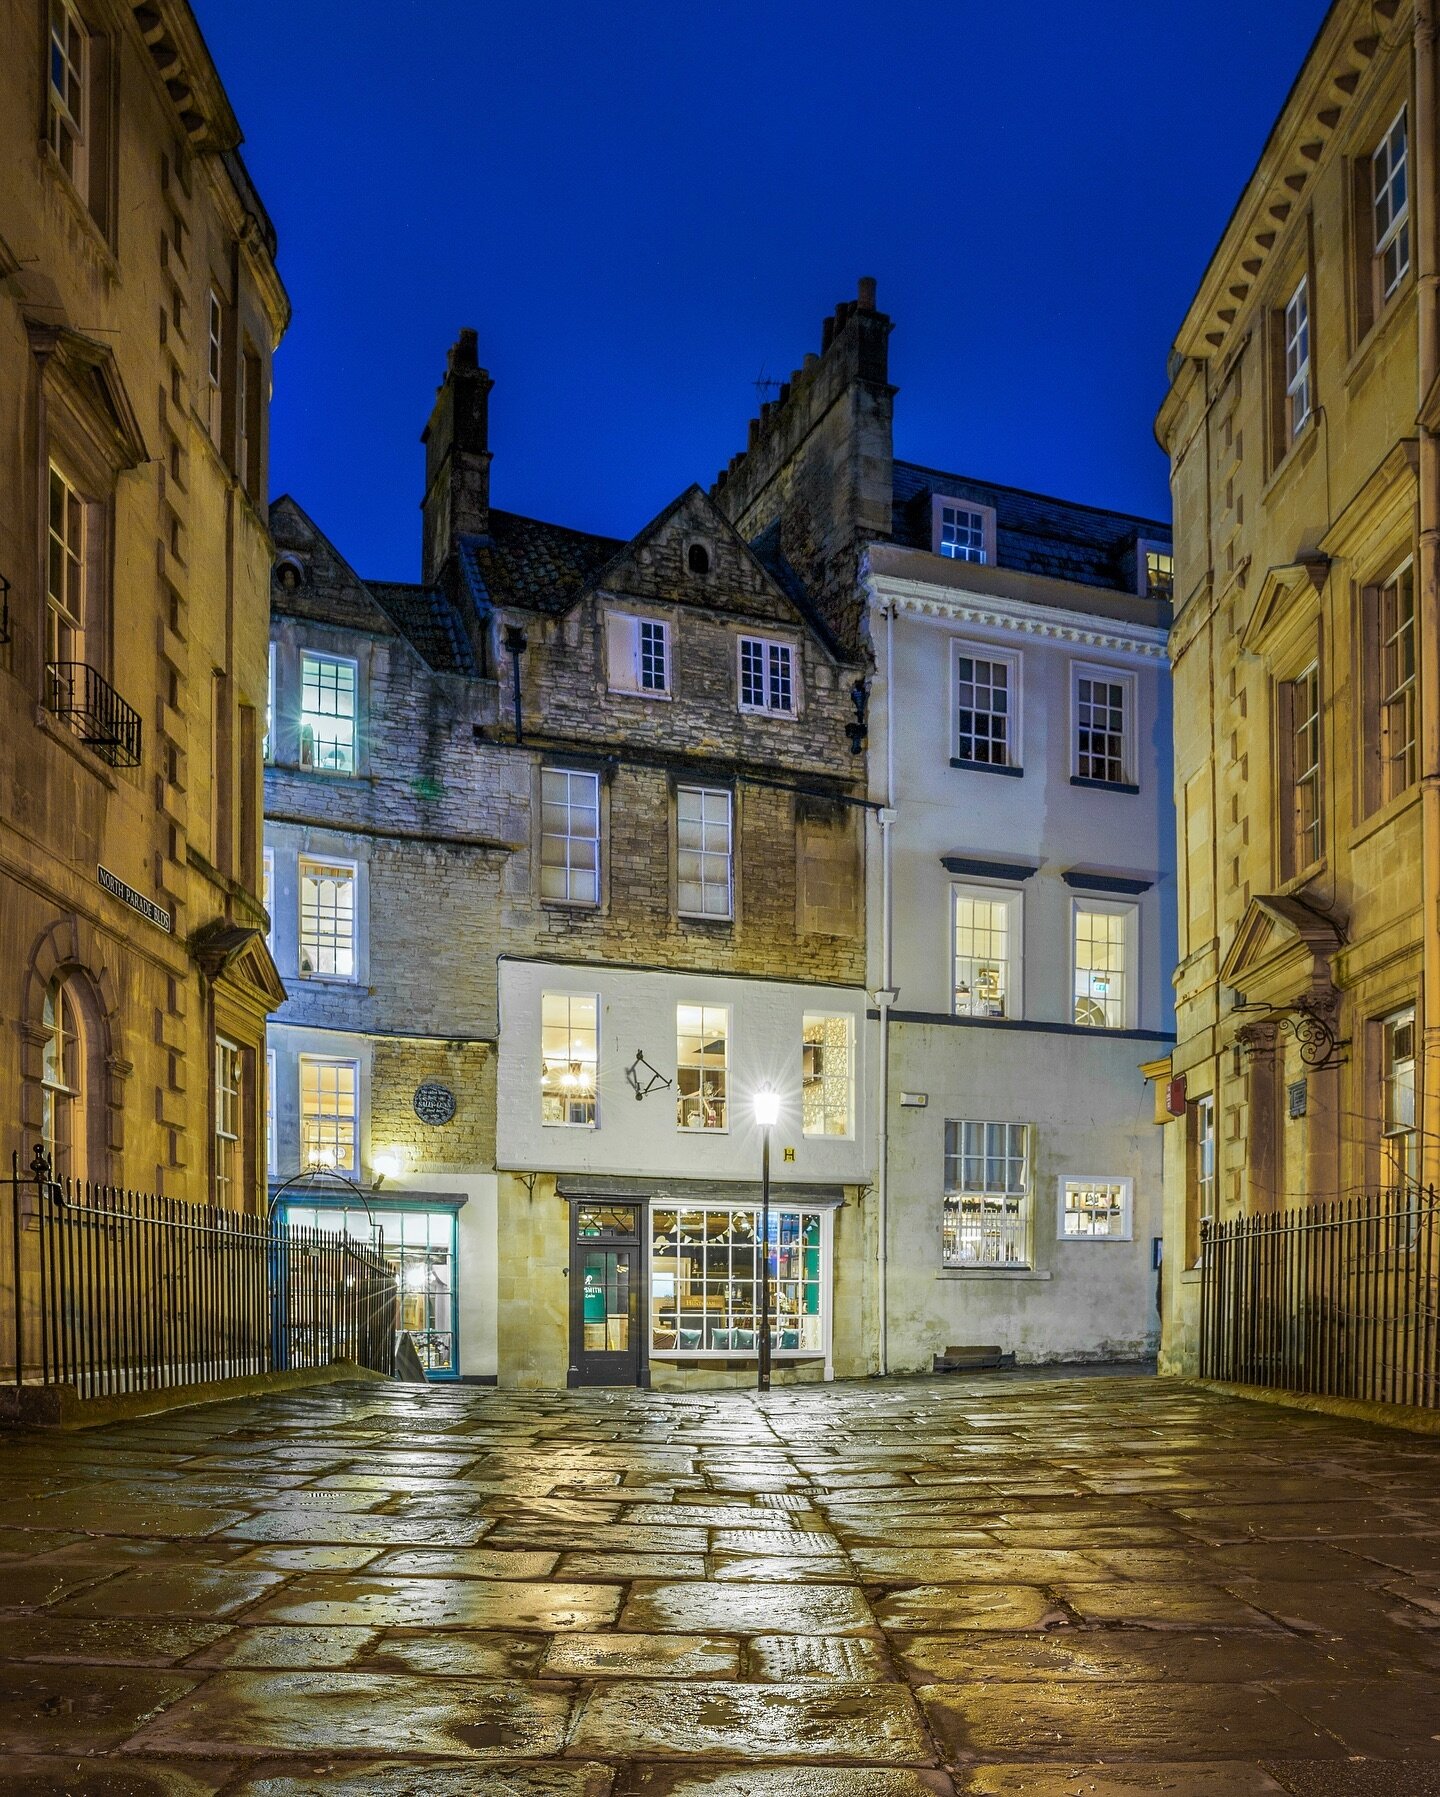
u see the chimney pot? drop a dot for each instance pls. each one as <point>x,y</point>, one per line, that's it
<point>867,293</point>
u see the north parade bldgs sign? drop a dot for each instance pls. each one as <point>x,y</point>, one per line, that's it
<point>137,901</point>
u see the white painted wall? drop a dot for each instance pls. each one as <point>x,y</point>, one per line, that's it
<point>1081,1091</point>
<point>638,1012</point>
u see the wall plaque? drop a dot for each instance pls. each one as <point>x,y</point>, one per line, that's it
<point>433,1102</point>
<point>137,901</point>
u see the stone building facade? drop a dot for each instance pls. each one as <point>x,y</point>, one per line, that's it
<point>1301,427</point>
<point>139,311</point>
<point>1021,927</point>
<point>565,845</point>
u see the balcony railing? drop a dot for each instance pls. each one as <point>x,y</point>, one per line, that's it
<point>95,712</point>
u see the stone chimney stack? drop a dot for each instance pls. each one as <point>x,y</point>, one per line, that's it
<point>457,458</point>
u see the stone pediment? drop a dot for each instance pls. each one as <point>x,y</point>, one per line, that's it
<point>88,371</point>
<point>1287,594</point>
<point>1281,943</point>
<point>236,955</point>
<point>655,565</point>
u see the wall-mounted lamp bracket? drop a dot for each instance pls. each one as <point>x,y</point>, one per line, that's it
<point>653,1078</point>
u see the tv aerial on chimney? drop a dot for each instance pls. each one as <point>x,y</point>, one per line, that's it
<point>765,388</point>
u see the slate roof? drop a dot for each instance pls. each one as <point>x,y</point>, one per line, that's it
<point>429,622</point>
<point>1033,532</point>
<point>527,563</point>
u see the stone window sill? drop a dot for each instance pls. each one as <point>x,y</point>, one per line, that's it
<point>1103,785</point>
<point>1002,1273</point>
<point>986,767</point>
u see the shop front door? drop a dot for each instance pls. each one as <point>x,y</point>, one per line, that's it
<point>606,1273</point>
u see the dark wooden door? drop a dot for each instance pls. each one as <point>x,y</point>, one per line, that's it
<point>606,1281</point>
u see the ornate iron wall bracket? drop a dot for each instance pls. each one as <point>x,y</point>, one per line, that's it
<point>1307,1021</point>
<point>655,1078</point>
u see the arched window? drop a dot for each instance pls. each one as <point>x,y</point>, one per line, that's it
<point>698,558</point>
<point>63,1082</point>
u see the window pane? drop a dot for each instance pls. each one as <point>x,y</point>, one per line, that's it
<point>827,1085</point>
<point>704,1281</point>
<point>702,1070</point>
<point>327,714</point>
<point>1100,968</point>
<point>328,1113</point>
<point>327,919</point>
<point>570,835</point>
<point>569,1057</point>
<point>982,956</point>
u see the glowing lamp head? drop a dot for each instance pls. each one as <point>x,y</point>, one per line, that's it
<point>323,1158</point>
<point>387,1166</point>
<point>767,1107</point>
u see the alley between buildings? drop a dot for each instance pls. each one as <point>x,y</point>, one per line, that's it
<point>1022,1584</point>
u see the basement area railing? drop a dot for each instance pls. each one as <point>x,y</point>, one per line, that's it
<point>1338,1299</point>
<point>121,1291</point>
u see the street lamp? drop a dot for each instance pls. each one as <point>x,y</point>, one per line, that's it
<point>767,1114</point>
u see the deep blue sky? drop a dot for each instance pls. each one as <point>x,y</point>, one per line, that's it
<point>643,207</point>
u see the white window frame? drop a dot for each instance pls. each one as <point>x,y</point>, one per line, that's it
<point>319,660</point>
<point>267,744</point>
<point>823,1020</point>
<point>327,868</point>
<point>1397,692</point>
<point>550,1001</point>
<point>985,550</point>
<point>962,648</point>
<point>272,1120</point>
<point>710,861</point>
<point>1200,1170</point>
<point>65,1082</point>
<point>1394,233</point>
<point>572,874</point>
<point>344,1130</point>
<point>1299,398</point>
<point>772,652</point>
<point>215,363</point>
<point>1129,1004</point>
<point>67,604</point>
<point>630,651</point>
<point>696,1100</point>
<point>1125,680</point>
<point>1399,1138</point>
<point>267,895</point>
<point>68,129</point>
<point>1005,1210</point>
<point>1124,1232</point>
<point>229,1138</point>
<point>657,1273</point>
<point>1013,899</point>
<point>1304,784</point>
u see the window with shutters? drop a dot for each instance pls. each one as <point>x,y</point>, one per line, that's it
<point>638,653</point>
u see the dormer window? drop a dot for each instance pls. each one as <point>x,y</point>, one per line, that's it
<point>697,559</point>
<point>962,530</point>
<point>1155,568</point>
<point>638,652</point>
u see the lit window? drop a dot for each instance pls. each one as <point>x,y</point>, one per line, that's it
<point>962,533</point>
<point>267,746</point>
<point>1095,1210</point>
<point>704,1281</point>
<point>767,676</point>
<point>69,91</point>
<point>1159,574</point>
<point>329,1109</point>
<point>1201,1121</point>
<point>570,836</point>
<point>1399,1131</point>
<point>827,1078</point>
<point>702,1079</point>
<point>1102,956</point>
<point>62,1083</point>
<point>987,952</point>
<point>327,919</point>
<point>327,713</point>
<point>1297,361</point>
<point>703,838</point>
<point>639,654</point>
<point>986,1216</point>
<point>985,709</point>
<point>1390,186</point>
<point>1102,713</point>
<point>229,1170</point>
<point>1302,705</point>
<point>267,897</point>
<point>65,576</point>
<point>569,1058</point>
<point>1396,622</point>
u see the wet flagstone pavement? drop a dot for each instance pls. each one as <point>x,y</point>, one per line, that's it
<point>1002,1587</point>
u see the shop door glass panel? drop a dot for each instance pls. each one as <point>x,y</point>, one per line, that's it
<point>604,1340</point>
<point>607,1302</point>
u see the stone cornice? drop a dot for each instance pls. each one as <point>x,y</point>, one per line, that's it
<point>919,599</point>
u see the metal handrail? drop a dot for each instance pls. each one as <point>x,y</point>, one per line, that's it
<point>94,711</point>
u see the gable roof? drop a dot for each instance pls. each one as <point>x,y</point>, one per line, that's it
<point>430,622</point>
<point>1035,533</point>
<point>524,562</point>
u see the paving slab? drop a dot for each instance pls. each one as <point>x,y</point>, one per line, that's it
<point>444,1603</point>
<point>434,1780</point>
<point>621,1654</point>
<point>753,1609</point>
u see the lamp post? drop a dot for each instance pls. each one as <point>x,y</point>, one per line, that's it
<point>767,1113</point>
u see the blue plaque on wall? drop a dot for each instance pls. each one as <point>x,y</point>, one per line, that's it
<point>433,1102</point>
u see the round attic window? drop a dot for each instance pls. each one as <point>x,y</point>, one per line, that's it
<point>289,573</point>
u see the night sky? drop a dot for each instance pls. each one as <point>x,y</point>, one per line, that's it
<point>643,208</point>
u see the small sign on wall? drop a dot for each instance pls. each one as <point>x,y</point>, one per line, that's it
<point>137,901</point>
<point>1298,1094</point>
<point>433,1102</point>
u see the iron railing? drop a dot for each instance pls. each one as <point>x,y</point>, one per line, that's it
<point>1335,1299</point>
<point>85,699</point>
<point>120,1291</point>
